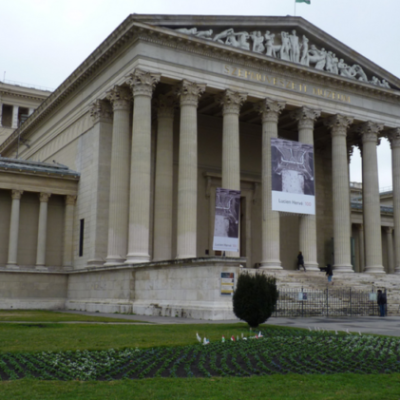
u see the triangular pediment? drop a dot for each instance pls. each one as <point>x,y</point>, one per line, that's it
<point>288,39</point>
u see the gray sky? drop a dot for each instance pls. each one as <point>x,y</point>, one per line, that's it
<point>43,41</point>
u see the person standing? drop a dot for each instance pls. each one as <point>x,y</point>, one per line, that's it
<point>329,273</point>
<point>381,302</point>
<point>300,261</point>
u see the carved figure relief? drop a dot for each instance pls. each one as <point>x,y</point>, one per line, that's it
<point>291,49</point>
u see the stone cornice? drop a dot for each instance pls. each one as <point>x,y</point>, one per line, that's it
<point>22,96</point>
<point>130,30</point>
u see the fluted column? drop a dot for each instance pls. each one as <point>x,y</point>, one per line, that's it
<point>14,121</point>
<point>361,247</point>
<point>142,84</point>
<point>163,197</point>
<point>371,201</point>
<point>231,104</point>
<point>42,231</point>
<point>308,225</point>
<point>189,93</point>
<point>394,138</point>
<point>69,231</point>
<point>340,192</point>
<point>390,256</point>
<point>270,226</point>
<point>14,228</point>
<point>118,217</point>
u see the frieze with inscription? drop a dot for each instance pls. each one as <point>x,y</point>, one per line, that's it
<point>288,47</point>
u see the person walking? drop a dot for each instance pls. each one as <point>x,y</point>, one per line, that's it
<point>329,273</point>
<point>300,261</point>
<point>381,302</point>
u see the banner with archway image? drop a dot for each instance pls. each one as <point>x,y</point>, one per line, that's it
<point>227,215</point>
<point>292,170</point>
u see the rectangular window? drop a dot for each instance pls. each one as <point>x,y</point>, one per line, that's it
<point>6,118</point>
<point>81,233</point>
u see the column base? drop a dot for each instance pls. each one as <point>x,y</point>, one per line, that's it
<point>188,256</point>
<point>312,267</point>
<point>273,264</point>
<point>374,269</point>
<point>343,268</point>
<point>137,258</point>
<point>12,266</point>
<point>95,263</point>
<point>114,261</point>
<point>397,271</point>
<point>41,268</point>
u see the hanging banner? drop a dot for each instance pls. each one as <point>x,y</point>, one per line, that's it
<point>292,177</point>
<point>226,227</point>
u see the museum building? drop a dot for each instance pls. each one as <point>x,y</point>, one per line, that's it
<point>111,206</point>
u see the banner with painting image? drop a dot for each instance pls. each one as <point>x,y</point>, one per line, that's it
<point>293,186</point>
<point>226,226</point>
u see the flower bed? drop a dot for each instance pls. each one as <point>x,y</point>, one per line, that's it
<point>277,352</point>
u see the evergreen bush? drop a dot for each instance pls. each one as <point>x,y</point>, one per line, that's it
<point>255,298</point>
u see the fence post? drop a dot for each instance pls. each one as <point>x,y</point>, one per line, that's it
<point>327,302</point>
<point>350,303</point>
<point>302,303</point>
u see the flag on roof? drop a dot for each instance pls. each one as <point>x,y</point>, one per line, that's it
<point>303,1</point>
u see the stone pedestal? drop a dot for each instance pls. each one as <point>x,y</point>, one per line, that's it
<point>308,226</point>
<point>341,192</point>
<point>189,93</point>
<point>270,250</point>
<point>142,84</point>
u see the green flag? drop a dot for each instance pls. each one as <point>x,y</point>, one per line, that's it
<point>303,1</point>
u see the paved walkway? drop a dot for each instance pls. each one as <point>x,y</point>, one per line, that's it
<point>383,326</point>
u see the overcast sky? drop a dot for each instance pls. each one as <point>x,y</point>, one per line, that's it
<point>43,41</point>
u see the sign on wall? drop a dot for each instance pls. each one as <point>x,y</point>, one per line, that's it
<point>227,283</point>
<point>226,226</point>
<point>292,176</point>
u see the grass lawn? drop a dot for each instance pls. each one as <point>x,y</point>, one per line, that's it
<point>53,316</point>
<point>34,337</point>
<point>276,387</point>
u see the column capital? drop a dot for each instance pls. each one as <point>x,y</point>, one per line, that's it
<point>120,97</point>
<point>305,117</point>
<point>388,230</point>
<point>165,104</point>
<point>232,101</point>
<point>16,194</point>
<point>44,197</point>
<point>270,109</point>
<point>393,136</point>
<point>338,124</point>
<point>142,82</point>
<point>70,200</point>
<point>100,109</point>
<point>189,92</point>
<point>368,131</point>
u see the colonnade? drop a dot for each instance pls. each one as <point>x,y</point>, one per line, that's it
<point>128,237</point>
<point>13,243</point>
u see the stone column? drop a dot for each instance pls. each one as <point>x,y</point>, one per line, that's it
<point>340,192</point>
<point>163,201</point>
<point>69,231</point>
<point>1,114</point>
<point>308,226</point>
<point>189,93</point>
<point>118,217</point>
<point>270,226</point>
<point>394,138</point>
<point>371,201</point>
<point>231,103</point>
<point>31,111</point>
<point>390,255</point>
<point>142,84</point>
<point>361,247</point>
<point>14,121</point>
<point>14,228</point>
<point>42,231</point>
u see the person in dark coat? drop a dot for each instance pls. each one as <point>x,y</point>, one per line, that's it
<point>300,261</point>
<point>329,273</point>
<point>381,302</point>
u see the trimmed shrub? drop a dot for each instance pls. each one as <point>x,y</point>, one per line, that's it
<point>255,298</point>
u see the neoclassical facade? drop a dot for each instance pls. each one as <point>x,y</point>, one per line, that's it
<point>164,111</point>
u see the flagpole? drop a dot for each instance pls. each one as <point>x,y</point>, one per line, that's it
<point>294,7</point>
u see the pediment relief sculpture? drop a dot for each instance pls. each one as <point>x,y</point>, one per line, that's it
<point>289,47</point>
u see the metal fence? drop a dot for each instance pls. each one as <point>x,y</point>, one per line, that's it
<point>325,303</point>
